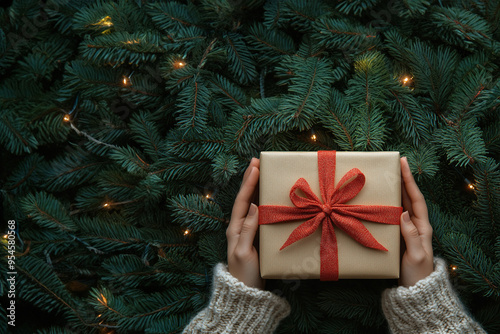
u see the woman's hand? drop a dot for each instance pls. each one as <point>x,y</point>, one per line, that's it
<point>242,257</point>
<point>418,260</point>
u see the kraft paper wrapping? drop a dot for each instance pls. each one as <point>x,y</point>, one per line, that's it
<point>301,260</point>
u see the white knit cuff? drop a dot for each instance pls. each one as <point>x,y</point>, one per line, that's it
<point>429,306</point>
<point>237,308</point>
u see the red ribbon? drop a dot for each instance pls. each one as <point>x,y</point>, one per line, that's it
<point>331,211</point>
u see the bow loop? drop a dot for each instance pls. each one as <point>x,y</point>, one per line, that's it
<point>348,188</point>
<point>308,202</point>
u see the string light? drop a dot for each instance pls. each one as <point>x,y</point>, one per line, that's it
<point>453,267</point>
<point>135,41</point>
<point>406,80</point>
<point>469,184</point>
<point>105,22</point>
<point>186,232</point>
<point>207,196</point>
<point>127,81</point>
<point>5,236</point>
<point>179,64</point>
<point>106,205</point>
<point>313,137</point>
<point>66,118</point>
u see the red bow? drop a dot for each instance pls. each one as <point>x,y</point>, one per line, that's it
<point>331,210</point>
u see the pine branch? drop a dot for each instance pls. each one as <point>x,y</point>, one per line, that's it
<point>308,89</point>
<point>463,143</point>
<point>23,175</point>
<point>193,146</point>
<point>413,121</point>
<point>337,117</point>
<point>121,47</point>
<point>172,16</point>
<point>357,303</point>
<point>343,34</point>
<point>487,189</point>
<point>197,213</point>
<point>47,211</point>
<point>366,91</point>
<point>241,61</point>
<point>14,136</point>
<point>130,159</point>
<point>145,132</point>
<point>357,7</point>
<point>461,26</point>
<point>269,45</point>
<point>472,264</point>
<point>192,107</point>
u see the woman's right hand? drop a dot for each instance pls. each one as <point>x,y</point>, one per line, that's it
<point>418,259</point>
<point>242,256</point>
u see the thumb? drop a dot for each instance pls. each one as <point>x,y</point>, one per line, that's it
<point>410,234</point>
<point>249,228</point>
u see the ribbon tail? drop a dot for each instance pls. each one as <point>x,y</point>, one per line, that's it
<point>270,214</point>
<point>329,253</point>
<point>357,231</point>
<point>376,213</point>
<point>303,230</point>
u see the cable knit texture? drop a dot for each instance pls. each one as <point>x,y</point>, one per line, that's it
<point>430,306</point>
<point>237,308</point>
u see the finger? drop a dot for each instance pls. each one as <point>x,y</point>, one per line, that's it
<point>240,206</point>
<point>417,199</point>
<point>244,197</point>
<point>249,228</point>
<point>425,231</point>
<point>410,235</point>
<point>253,163</point>
<point>406,199</point>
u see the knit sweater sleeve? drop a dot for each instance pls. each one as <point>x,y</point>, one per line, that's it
<point>429,306</point>
<point>237,308</point>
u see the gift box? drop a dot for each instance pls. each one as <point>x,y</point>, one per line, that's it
<point>329,215</point>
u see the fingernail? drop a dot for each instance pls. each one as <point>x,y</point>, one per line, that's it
<point>406,217</point>
<point>253,210</point>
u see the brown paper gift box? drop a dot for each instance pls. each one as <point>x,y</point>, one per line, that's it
<point>301,260</point>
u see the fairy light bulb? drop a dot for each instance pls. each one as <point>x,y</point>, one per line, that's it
<point>186,232</point>
<point>469,184</point>
<point>66,118</point>
<point>5,236</point>
<point>127,80</point>
<point>179,64</point>
<point>313,137</point>
<point>207,196</point>
<point>106,205</point>
<point>105,21</point>
<point>406,80</point>
<point>454,268</point>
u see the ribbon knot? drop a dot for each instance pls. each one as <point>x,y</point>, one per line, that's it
<point>327,209</point>
<point>320,212</point>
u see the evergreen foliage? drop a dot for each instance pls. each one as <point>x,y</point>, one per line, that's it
<point>126,126</point>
